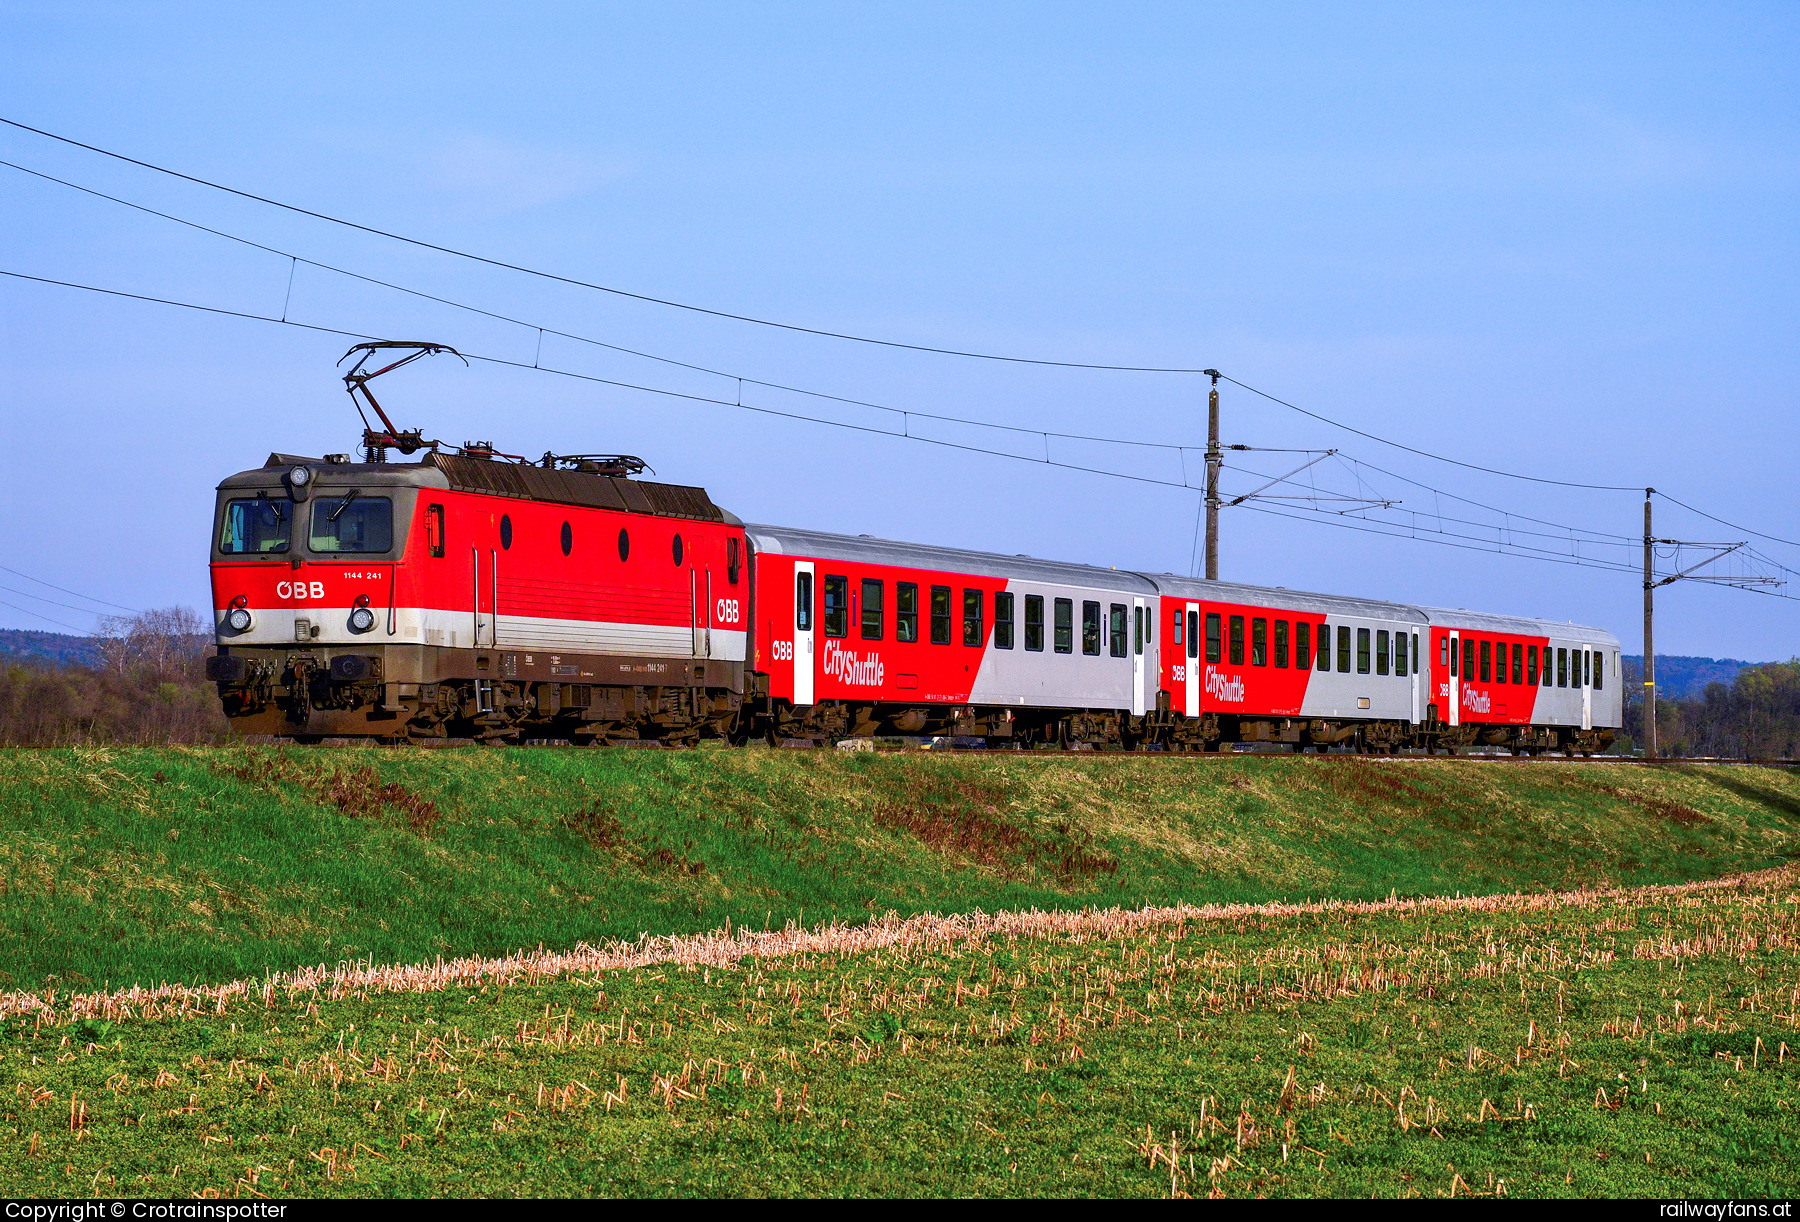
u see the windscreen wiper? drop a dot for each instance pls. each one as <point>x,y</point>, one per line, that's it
<point>333,515</point>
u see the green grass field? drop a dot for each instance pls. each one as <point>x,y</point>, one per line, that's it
<point>142,865</point>
<point>1635,1044</point>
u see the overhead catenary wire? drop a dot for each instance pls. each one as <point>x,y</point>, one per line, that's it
<point>40,615</point>
<point>599,288</point>
<point>1330,517</point>
<point>75,593</point>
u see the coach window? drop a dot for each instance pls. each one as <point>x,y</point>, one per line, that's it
<point>1444,658</point>
<point>1499,661</point>
<point>1562,668</point>
<point>1362,651</point>
<point>1381,651</point>
<point>1599,669</point>
<point>1065,626</point>
<point>1586,657</point>
<point>803,601</point>
<point>940,615</point>
<point>1281,627</point>
<point>1302,645</point>
<point>1116,629</point>
<point>1193,631</point>
<point>1003,620</point>
<point>837,605</point>
<point>974,621</point>
<point>1531,665</point>
<point>1214,646</point>
<point>1518,662</point>
<point>1259,641</point>
<point>1487,661</point>
<point>1468,652</point>
<point>1090,629</point>
<point>1140,631</point>
<point>1343,649</point>
<point>675,549</point>
<point>1324,647</point>
<point>1034,622</point>
<point>1180,637</point>
<point>906,610</point>
<point>505,532</point>
<point>1400,655</point>
<point>434,529</point>
<point>874,607</point>
<point>1236,643</point>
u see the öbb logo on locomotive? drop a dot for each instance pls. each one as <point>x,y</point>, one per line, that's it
<point>572,600</point>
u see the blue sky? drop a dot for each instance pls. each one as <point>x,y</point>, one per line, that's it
<point>1550,240</point>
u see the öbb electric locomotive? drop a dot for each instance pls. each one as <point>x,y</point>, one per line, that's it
<point>473,596</point>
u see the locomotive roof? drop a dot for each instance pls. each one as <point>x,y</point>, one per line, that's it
<point>493,478</point>
<point>866,549</point>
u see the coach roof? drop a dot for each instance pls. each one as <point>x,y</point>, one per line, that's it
<point>864,549</point>
<point>1200,590</point>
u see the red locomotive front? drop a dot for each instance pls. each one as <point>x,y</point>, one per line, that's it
<point>470,596</point>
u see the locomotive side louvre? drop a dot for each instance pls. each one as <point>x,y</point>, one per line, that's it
<point>477,595</point>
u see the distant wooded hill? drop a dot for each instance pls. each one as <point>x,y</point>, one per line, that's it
<point>1684,678</point>
<point>48,648</point>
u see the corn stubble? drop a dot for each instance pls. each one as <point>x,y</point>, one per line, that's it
<point>1597,1042</point>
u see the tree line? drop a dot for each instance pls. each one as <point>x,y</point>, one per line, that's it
<point>147,686</point>
<point>1755,716</point>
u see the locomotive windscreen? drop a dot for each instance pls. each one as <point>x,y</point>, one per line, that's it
<point>352,523</point>
<point>259,525</point>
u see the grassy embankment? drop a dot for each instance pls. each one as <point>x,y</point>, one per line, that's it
<point>1637,1044</point>
<point>141,865</point>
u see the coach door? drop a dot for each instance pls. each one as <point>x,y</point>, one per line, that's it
<point>1453,677</point>
<point>1192,707</point>
<point>1141,628</point>
<point>1587,685</point>
<point>803,632</point>
<point>1418,679</point>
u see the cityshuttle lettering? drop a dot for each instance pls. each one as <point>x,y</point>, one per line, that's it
<point>1229,689</point>
<point>1474,701</point>
<point>848,666</point>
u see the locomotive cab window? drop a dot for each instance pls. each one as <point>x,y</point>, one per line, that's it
<point>1034,622</point>
<point>1065,625</point>
<point>974,627</point>
<point>1212,636</point>
<point>731,560</point>
<point>1003,620</point>
<point>260,526</point>
<point>906,610</point>
<point>873,609</point>
<point>1116,629</point>
<point>837,605</point>
<point>940,615</point>
<point>1259,641</point>
<point>352,523</point>
<point>1090,629</point>
<point>434,529</point>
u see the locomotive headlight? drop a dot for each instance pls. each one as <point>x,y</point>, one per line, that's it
<point>237,619</point>
<point>300,477</point>
<point>362,620</point>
